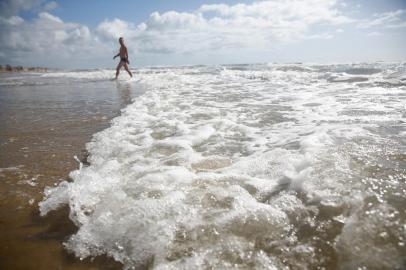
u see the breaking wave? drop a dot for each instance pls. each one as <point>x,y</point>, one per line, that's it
<point>255,166</point>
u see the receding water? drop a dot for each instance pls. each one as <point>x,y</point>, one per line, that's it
<point>44,123</point>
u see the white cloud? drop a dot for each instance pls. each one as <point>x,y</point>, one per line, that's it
<point>321,36</point>
<point>47,16</point>
<point>13,20</point>
<point>115,28</point>
<point>12,7</point>
<point>383,19</point>
<point>280,12</point>
<point>50,6</point>
<point>220,26</point>
<point>46,39</point>
<point>374,34</point>
<point>397,25</point>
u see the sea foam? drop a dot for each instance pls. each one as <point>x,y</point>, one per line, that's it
<point>260,166</point>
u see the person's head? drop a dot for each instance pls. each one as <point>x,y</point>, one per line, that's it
<point>121,40</point>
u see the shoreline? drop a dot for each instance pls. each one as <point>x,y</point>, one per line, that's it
<point>42,128</point>
<point>13,69</point>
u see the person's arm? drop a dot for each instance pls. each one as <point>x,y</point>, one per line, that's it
<point>126,55</point>
<point>116,55</point>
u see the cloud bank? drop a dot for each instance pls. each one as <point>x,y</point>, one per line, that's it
<point>221,26</point>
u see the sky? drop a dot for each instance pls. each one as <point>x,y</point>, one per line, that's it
<point>84,34</point>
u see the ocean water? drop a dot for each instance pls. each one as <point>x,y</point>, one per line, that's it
<point>266,166</point>
<point>44,122</point>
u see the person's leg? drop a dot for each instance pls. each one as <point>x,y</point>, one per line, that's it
<point>118,68</point>
<point>128,70</point>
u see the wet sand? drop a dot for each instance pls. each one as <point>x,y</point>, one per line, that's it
<point>42,128</point>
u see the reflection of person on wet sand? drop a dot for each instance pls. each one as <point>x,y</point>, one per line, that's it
<point>124,92</point>
<point>123,58</point>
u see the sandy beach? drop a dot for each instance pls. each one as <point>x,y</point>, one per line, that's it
<point>43,125</point>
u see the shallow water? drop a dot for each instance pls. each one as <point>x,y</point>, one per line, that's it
<point>247,166</point>
<point>44,123</point>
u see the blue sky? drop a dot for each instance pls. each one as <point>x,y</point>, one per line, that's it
<point>83,34</point>
<point>92,12</point>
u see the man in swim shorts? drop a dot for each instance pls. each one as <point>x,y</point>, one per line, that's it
<point>123,58</point>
